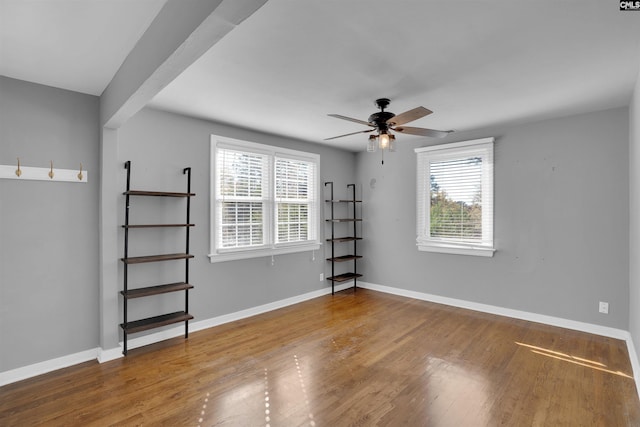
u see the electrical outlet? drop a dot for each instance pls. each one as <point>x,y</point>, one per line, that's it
<point>321,277</point>
<point>603,307</point>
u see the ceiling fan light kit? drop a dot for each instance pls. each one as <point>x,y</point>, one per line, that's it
<point>384,141</point>
<point>385,121</point>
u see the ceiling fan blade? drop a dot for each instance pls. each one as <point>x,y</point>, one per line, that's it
<point>347,134</point>
<point>422,131</point>
<point>409,116</point>
<point>338,116</point>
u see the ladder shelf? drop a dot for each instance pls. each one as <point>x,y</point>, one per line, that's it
<point>140,325</point>
<point>353,238</point>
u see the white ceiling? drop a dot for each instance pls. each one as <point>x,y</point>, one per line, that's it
<point>475,63</point>
<point>71,44</point>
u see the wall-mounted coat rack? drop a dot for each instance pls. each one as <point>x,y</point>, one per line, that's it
<point>18,171</point>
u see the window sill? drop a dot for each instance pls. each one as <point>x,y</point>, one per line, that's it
<point>457,250</point>
<point>262,252</point>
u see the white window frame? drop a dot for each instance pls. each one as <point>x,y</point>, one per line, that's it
<point>425,155</point>
<point>270,247</point>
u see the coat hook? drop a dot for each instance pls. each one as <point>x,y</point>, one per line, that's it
<point>80,174</point>
<point>51,171</point>
<point>18,171</point>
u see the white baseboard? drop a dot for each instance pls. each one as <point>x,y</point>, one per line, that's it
<point>19,374</point>
<point>635,362</point>
<point>523,315</point>
<point>501,311</point>
<point>102,355</point>
<point>231,317</point>
<point>109,354</point>
<point>243,314</point>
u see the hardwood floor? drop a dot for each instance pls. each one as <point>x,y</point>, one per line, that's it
<point>349,360</point>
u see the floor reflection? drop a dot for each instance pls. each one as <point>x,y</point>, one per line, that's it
<point>456,396</point>
<point>572,359</point>
<point>304,391</point>
<point>238,403</point>
<point>267,411</point>
<point>204,409</point>
<point>277,395</point>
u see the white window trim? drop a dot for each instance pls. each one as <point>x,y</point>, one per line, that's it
<point>271,248</point>
<point>423,241</point>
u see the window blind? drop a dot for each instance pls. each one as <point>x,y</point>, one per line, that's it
<point>241,194</point>
<point>295,200</point>
<point>455,195</point>
<point>456,199</point>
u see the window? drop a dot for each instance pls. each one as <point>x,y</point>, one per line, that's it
<point>264,200</point>
<point>455,198</point>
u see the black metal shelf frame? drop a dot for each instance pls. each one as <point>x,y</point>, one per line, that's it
<point>130,327</point>
<point>354,257</point>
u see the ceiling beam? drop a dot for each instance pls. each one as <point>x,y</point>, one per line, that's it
<point>178,36</point>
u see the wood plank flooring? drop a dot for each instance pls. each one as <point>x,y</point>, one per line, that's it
<point>349,360</point>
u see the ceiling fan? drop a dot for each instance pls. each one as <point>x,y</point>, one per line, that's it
<point>385,121</point>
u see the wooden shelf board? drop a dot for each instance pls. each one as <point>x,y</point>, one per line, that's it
<point>155,322</point>
<point>344,220</point>
<point>343,258</point>
<point>344,277</point>
<point>156,290</point>
<point>344,239</point>
<point>157,225</point>
<point>154,258</point>
<point>157,193</point>
<point>343,201</point>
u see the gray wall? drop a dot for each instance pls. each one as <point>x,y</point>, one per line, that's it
<point>550,259</point>
<point>561,221</point>
<point>634,219</point>
<point>48,230</point>
<point>159,145</point>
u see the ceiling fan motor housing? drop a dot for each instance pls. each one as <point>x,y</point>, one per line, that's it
<point>380,119</point>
